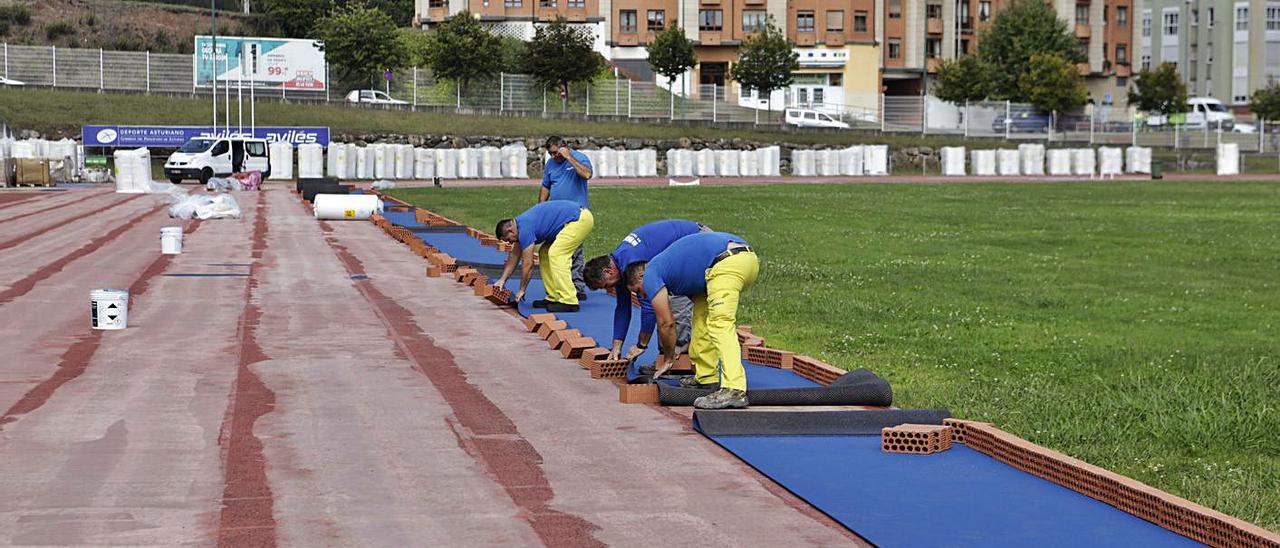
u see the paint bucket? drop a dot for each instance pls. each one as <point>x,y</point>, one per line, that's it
<point>171,240</point>
<point>109,308</point>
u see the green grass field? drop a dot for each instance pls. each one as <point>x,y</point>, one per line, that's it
<point>1133,325</point>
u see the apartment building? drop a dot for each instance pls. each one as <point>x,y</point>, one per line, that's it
<point>1225,49</point>
<point>517,18</point>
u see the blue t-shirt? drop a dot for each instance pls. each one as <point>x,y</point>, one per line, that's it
<point>643,244</point>
<point>542,223</point>
<point>564,181</point>
<point>682,268</point>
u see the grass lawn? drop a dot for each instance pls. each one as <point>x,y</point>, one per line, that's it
<point>1133,325</point>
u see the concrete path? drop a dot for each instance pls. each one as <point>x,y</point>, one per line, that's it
<point>292,382</point>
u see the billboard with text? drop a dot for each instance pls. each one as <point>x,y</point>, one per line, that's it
<point>261,62</point>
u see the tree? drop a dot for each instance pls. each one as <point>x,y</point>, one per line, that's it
<point>1021,30</point>
<point>1266,102</point>
<point>462,50</point>
<point>1053,84</point>
<point>511,52</point>
<point>292,18</point>
<point>416,45</point>
<point>766,62</point>
<point>965,79</point>
<point>1159,90</point>
<point>360,43</point>
<point>671,53</point>
<point>559,55</point>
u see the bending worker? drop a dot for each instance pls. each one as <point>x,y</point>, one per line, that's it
<point>712,269</point>
<point>564,177</point>
<point>559,226</point>
<point>641,245</point>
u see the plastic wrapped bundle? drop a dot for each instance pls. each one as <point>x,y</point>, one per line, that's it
<point>628,163</point>
<point>490,163</point>
<point>679,163</point>
<point>341,156</point>
<point>469,163</point>
<point>1059,161</point>
<point>23,150</point>
<point>447,163</point>
<point>852,160</point>
<point>803,163</point>
<point>330,159</point>
<point>133,171</point>
<point>952,161</point>
<point>984,162</point>
<point>424,163</point>
<point>606,163</point>
<point>770,161</point>
<point>1084,161</point>
<point>1110,161</point>
<point>64,149</point>
<point>876,160</point>
<point>515,161</point>
<point>706,163</point>
<point>41,148</point>
<point>1008,162</point>
<point>364,162</point>
<point>647,163</point>
<point>1228,159</point>
<point>749,163</point>
<point>281,154</point>
<point>1137,160</point>
<point>402,156</point>
<point>727,163</point>
<point>1032,157</point>
<point>310,161</point>
<point>828,163</point>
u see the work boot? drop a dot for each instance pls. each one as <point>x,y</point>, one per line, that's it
<point>724,398</point>
<point>553,306</point>
<point>692,382</point>
<point>582,295</point>
<point>540,303</point>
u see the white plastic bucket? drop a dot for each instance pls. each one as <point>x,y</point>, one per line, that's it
<point>171,240</point>
<point>109,308</point>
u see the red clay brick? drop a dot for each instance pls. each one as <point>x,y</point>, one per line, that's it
<point>534,321</point>
<point>461,272</point>
<point>573,348</point>
<point>919,439</point>
<point>815,370</point>
<point>683,365</point>
<point>609,369</point>
<point>590,355</point>
<point>547,328</point>
<point>561,336</point>
<point>772,357</point>
<point>638,393</point>
<point>500,296</point>
<point>433,271</point>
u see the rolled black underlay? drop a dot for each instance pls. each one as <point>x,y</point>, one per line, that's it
<point>854,422</point>
<point>860,387</point>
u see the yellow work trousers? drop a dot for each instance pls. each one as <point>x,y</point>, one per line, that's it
<point>715,318</point>
<point>555,259</point>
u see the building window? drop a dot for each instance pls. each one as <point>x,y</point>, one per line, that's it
<point>1212,18</point>
<point>438,4</point>
<point>754,20</point>
<point>1122,54</point>
<point>657,20</point>
<point>578,4</point>
<point>627,21</point>
<point>804,21</point>
<point>1146,62</point>
<point>1122,16</point>
<point>1171,24</point>
<point>835,79</point>
<point>1082,14</point>
<point>835,21</point>
<point>965,23</point>
<point>711,20</point>
<point>895,9</point>
<point>933,11</point>
<point>933,48</point>
<point>895,48</point>
<point>1242,19</point>
<point>1105,12</point>
<point>547,3</point>
<point>1146,23</point>
<point>1273,18</point>
<point>1083,44</point>
<point>859,21</point>
<point>964,46</point>
<point>984,11</point>
<point>512,3</point>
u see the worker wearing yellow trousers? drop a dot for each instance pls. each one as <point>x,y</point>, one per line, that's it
<point>558,227</point>
<point>712,269</point>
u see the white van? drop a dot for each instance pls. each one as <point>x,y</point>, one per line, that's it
<point>1201,113</point>
<point>205,157</point>
<point>800,117</point>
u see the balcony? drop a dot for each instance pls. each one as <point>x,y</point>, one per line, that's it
<point>626,38</point>
<point>576,14</point>
<point>934,26</point>
<point>1123,71</point>
<point>806,38</point>
<point>709,37</point>
<point>834,38</point>
<point>1082,31</point>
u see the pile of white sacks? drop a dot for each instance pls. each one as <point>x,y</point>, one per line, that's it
<point>608,162</point>
<point>761,162</point>
<point>1033,160</point>
<point>398,161</point>
<point>856,160</point>
<point>65,149</point>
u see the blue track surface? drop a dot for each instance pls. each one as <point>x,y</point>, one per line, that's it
<point>464,248</point>
<point>959,497</point>
<point>403,218</point>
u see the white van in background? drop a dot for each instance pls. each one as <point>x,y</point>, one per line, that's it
<point>801,117</point>
<point>205,157</point>
<point>1201,113</point>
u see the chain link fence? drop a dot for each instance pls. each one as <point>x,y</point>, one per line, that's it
<point>519,94</point>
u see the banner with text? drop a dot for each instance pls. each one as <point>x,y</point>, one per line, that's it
<point>261,62</point>
<point>176,136</point>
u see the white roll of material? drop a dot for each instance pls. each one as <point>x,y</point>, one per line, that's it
<point>647,163</point>
<point>984,162</point>
<point>1008,162</point>
<point>952,161</point>
<point>851,160</point>
<point>347,207</point>
<point>281,153</point>
<point>1032,156</point>
<point>727,163</point>
<point>424,163</point>
<point>875,160</point>
<point>447,163</point>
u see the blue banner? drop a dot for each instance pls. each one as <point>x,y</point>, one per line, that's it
<point>176,136</point>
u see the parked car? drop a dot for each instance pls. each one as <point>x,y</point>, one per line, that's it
<point>1201,113</point>
<point>1244,128</point>
<point>1023,120</point>
<point>800,117</point>
<point>205,157</point>
<point>373,97</point>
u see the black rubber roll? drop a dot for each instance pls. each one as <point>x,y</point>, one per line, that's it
<point>309,193</point>
<point>854,388</point>
<point>851,422</point>
<point>314,181</point>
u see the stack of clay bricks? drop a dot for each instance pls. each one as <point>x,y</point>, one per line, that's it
<point>1171,512</point>
<point>569,342</point>
<point>755,351</point>
<point>430,218</point>
<point>916,439</point>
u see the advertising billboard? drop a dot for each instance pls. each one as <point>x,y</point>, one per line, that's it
<point>261,62</point>
<point>176,136</point>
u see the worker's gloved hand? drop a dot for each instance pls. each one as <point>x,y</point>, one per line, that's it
<point>634,353</point>
<point>519,294</point>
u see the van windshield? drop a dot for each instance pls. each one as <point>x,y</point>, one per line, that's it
<point>1215,107</point>
<point>196,145</point>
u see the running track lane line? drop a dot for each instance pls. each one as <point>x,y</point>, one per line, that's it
<point>52,207</point>
<point>21,287</point>
<point>55,226</point>
<point>75,360</point>
<point>20,201</point>
<point>247,515</point>
<point>483,430</point>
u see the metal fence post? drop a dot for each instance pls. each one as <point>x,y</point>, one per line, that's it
<point>589,86</point>
<point>6,60</point>
<point>502,91</point>
<point>615,96</point>
<point>1133,128</point>
<point>628,98</point>
<point>1262,131</point>
<point>148,72</point>
<point>1177,142</point>
<point>924,114</point>
<point>544,103</point>
<point>458,88</point>
<point>714,90</point>
<point>1092,114</point>
<point>672,88</point>
<point>55,66</point>
<point>101,78</point>
<point>966,118</point>
<point>1008,118</point>
<point>327,84</point>
<point>1053,122</point>
<point>415,88</point>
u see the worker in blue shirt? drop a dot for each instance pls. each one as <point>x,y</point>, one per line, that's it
<point>712,269</point>
<point>564,177</point>
<point>642,244</point>
<point>559,227</point>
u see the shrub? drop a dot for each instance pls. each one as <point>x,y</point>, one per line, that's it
<point>58,29</point>
<point>16,14</point>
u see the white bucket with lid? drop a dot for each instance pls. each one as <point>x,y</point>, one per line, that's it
<point>171,240</point>
<point>109,308</point>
